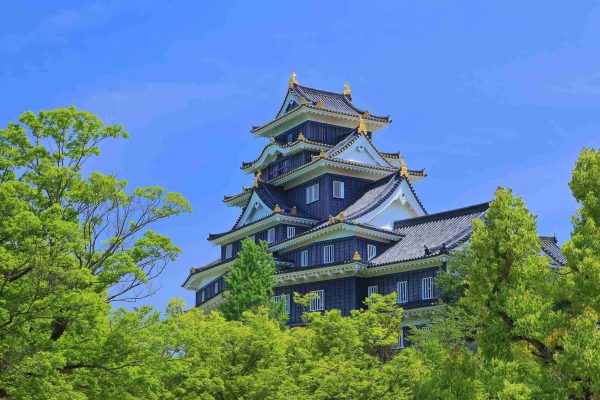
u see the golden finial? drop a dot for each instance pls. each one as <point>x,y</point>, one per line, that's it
<point>347,90</point>
<point>300,137</point>
<point>341,217</point>
<point>294,211</point>
<point>303,101</point>
<point>277,209</point>
<point>331,219</point>
<point>322,154</point>
<point>319,104</point>
<point>362,128</point>
<point>403,169</point>
<point>292,80</point>
<point>366,114</point>
<point>257,178</point>
<point>357,256</point>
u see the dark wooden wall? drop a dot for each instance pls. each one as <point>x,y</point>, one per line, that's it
<point>344,249</point>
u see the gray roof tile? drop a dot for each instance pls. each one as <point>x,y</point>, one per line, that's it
<point>432,234</point>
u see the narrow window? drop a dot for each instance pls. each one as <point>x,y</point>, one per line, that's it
<point>338,189</point>
<point>371,251</point>
<point>402,290</point>
<point>291,231</point>
<point>317,300</point>
<point>290,137</point>
<point>271,235</point>
<point>285,298</point>
<point>228,251</point>
<point>304,258</point>
<point>202,296</point>
<point>312,193</point>
<point>372,290</point>
<point>427,288</point>
<point>425,328</point>
<point>328,254</point>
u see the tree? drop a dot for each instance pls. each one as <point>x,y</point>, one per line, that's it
<point>69,245</point>
<point>250,283</point>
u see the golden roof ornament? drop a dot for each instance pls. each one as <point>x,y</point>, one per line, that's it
<point>303,101</point>
<point>257,178</point>
<point>300,137</point>
<point>357,256</point>
<point>292,80</point>
<point>366,114</point>
<point>322,154</point>
<point>403,169</point>
<point>294,211</point>
<point>319,104</point>
<point>362,127</point>
<point>347,90</point>
<point>331,219</point>
<point>341,217</point>
<point>277,209</point>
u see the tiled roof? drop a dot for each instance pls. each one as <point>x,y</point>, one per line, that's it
<point>330,100</point>
<point>432,234</point>
<point>376,194</point>
<point>550,247</point>
<point>271,195</point>
<point>282,146</point>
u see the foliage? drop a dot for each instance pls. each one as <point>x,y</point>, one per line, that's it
<point>249,282</point>
<point>69,245</point>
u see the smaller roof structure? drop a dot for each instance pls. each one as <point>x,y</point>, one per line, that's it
<point>550,246</point>
<point>432,234</point>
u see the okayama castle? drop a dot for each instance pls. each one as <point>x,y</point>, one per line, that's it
<point>341,217</point>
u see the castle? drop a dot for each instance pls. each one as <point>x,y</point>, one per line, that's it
<point>341,217</point>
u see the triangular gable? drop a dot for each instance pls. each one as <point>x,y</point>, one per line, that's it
<point>402,204</point>
<point>362,150</point>
<point>255,210</point>
<point>290,102</point>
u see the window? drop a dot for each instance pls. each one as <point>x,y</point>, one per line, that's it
<point>285,298</point>
<point>291,231</point>
<point>216,287</point>
<point>304,258</point>
<point>402,290</point>
<point>427,288</point>
<point>328,254</point>
<point>401,340</point>
<point>312,193</point>
<point>228,251</point>
<point>271,235</point>
<point>425,328</point>
<point>290,137</point>
<point>338,189</point>
<point>202,296</point>
<point>371,251</point>
<point>317,300</point>
<point>372,290</point>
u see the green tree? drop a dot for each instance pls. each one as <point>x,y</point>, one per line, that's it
<point>250,283</point>
<point>69,245</point>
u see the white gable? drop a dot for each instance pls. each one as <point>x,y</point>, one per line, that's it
<point>290,100</point>
<point>401,205</point>
<point>362,151</point>
<point>255,210</point>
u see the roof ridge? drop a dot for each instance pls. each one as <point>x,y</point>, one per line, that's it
<point>303,87</point>
<point>441,215</point>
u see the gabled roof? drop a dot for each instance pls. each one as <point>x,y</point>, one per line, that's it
<point>329,100</point>
<point>550,247</point>
<point>285,149</point>
<point>271,196</point>
<point>432,234</point>
<point>376,194</point>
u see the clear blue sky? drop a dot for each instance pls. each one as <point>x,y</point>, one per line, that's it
<point>482,93</point>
